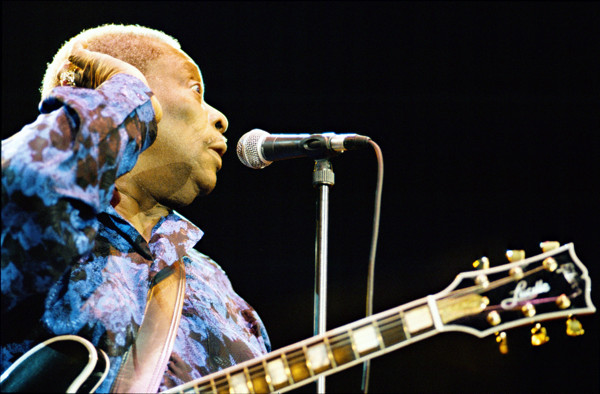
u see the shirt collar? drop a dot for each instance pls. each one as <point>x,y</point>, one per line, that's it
<point>171,238</point>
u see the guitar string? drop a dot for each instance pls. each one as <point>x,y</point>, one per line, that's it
<point>478,289</point>
<point>343,340</point>
<point>338,341</point>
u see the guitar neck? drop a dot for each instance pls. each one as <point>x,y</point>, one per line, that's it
<point>547,286</point>
<point>338,349</point>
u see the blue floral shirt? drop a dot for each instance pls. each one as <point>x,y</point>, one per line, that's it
<point>72,265</point>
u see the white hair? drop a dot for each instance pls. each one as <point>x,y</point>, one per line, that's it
<point>134,44</point>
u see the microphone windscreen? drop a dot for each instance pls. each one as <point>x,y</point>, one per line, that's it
<point>248,149</point>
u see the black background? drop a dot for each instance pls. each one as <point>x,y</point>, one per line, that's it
<point>487,115</point>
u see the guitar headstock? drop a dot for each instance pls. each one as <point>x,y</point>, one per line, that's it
<point>548,286</point>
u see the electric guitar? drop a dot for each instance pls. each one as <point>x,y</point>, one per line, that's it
<point>482,302</point>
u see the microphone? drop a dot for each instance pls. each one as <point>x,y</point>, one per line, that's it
<point>257,148</point>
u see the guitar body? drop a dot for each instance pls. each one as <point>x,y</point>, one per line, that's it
<point>67,363</point>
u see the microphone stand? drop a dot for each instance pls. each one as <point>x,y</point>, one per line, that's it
<point>323,179</point>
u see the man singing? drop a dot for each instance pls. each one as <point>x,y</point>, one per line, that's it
<point>88,196</point>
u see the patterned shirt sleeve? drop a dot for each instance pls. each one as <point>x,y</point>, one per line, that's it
<point>58,173</point>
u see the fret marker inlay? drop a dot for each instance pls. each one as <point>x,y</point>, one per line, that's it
<point>317,355</point>
<point>276,371</point>
<point>238,383</point>
<point>418,319</point>
<point>365,338</point>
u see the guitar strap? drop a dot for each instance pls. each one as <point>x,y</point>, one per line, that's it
<point>143,365</point>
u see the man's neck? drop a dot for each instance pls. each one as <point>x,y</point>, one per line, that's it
<point>143,217</point>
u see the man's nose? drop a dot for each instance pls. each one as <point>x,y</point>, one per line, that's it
<point>217,119</point>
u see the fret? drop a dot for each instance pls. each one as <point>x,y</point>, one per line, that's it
<point>297,364</point>
<point>213,386</point>
<point>249,380</point>
<point>353,343</point>
<point>329,353</point>
<point>435,312</point>
<point>378,332</point>
<point>287,368</point>
<point>341,347</point>
<point>256,374</point>
<point>268,377</point>
<point>308,367</point>
<point>407,334</point>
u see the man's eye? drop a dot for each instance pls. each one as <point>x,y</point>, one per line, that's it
<point>197,88</point>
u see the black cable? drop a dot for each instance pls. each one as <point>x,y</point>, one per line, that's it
<point>371,268</point>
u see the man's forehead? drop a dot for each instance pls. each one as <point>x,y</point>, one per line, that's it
<point>176,58</point>
<point>192,68</point>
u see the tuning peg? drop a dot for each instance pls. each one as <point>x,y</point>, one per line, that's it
<point>528,310</point>
<point>574,327</point>
<point>563,301</point>
<point>547,246</point>
<point>539,335</point>
<point>501,340</point>
<point>516,273</point>
<point>515,255</point>
<point>483,263</point>
<point>494,318</point>
<point>482,281</point>
<point>550,264</point>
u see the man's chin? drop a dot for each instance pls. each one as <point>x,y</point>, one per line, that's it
<point>187,195</point>
<point>203,189</point>
<point>207,186</point>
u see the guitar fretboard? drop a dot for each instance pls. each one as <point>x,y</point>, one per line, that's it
<point>338,349</point>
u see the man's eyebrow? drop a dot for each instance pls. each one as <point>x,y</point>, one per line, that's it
<point>194,73</point>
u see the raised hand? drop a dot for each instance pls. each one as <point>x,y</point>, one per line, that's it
<point>90,69</point>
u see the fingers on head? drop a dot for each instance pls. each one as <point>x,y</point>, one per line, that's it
<point>79,45</point>
<point>79,54</point>
<point>78,60</point>
<point>70,75</point>
<point>72,71</point>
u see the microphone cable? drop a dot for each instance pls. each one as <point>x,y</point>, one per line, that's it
<point>373,252</point>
